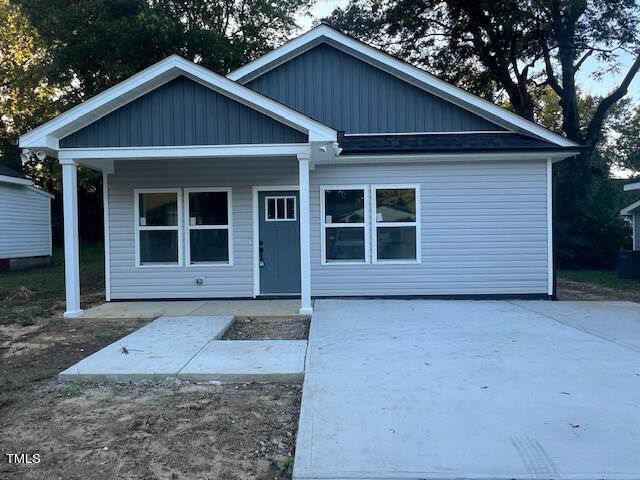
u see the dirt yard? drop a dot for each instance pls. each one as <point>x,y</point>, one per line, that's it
<point>248,328</point>
<point>161,431</point>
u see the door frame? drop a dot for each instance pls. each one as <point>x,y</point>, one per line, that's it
<point>256,227</point>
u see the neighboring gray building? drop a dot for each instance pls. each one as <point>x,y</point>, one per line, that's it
<point>25,222</point>
<point>324,168</point>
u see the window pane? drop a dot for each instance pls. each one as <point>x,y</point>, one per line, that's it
<point>344,206</point>
<point>396,205</point>
<point>291,208</point>
<point>158,246</point>
<point>271,208</point>
<point>209,245</point>
<point>281,209</point>
<point>208,208</point>
<point>396,243</point>
<point>158,209</point>
<point>345,243</point>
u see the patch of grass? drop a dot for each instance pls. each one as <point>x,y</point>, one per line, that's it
<point>605,278</point>
<point>75,389</point>
<point>286,465</point>
<point>31,294</point>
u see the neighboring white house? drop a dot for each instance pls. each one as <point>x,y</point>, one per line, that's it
<point>25,222</point>
<point>324,168</point>
<point>633,212</point>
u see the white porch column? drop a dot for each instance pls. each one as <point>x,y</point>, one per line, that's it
<point>71,241</point>
<point>305,236</point>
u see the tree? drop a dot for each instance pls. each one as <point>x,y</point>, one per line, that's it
<point>525,53</point>
<point>522,46</point>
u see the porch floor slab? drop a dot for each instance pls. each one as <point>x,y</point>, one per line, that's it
<point>154,309</point>
<point>240,361</point>
<point>156,351</point>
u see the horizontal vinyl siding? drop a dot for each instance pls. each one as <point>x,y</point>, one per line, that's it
<point>128,281</point>
<point>483,231</point>
<point>348,94</point>
<point>182,112</point>
<point>636,231</point>
<point>25,222</point>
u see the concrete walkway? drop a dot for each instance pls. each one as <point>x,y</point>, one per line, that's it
<point>475,390</point>
<point>187,348</point>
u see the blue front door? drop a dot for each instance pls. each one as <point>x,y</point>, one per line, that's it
<point>279,244</point>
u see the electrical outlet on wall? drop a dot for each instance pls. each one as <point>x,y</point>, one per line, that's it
<point>200,281</point>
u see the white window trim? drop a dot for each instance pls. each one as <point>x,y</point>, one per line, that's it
<point>189,227</point>
<point>138,228</point>
<point>285,197</point>
<point>375,224</point>
<point>365,225</point>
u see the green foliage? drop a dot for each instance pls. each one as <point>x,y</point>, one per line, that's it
<point>527,55</point>
<point>605,278</point>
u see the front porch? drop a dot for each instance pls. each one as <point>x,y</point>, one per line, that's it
<point>195,308</point>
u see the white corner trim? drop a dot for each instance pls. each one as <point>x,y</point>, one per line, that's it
<point>188,151</point>
<point>107,243</point>
<point>189,227</point>
<point>550,272</point>
<point>398,68</point>
<point>48,134</point>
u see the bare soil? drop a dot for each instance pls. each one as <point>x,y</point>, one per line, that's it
<point>571,290</point>
<point>152,431</point>
<point>249,328</point>
<point>159,431</point>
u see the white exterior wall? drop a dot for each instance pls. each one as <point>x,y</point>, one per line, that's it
<point>483,228</point>
<point>25,222</point>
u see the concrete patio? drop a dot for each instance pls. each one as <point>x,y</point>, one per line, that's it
<point>479,390</point>
<point>189,348</point>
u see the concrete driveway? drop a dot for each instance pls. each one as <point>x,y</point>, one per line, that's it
<point>471,390</point>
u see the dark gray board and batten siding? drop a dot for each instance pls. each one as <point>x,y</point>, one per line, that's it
<point>182,112</point>
<point>353,96</point>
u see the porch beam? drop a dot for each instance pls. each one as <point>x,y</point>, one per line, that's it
<point>71,240</point>
<point>305,235</point>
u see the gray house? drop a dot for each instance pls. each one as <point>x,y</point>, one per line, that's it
<point>25,222</point>
<point>324,168</point>
<point>633,212</point>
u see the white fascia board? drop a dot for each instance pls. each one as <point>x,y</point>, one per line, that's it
<point>394,66</point>
<point>449,157</point>
<point>47,135</point>
<point>41,192</point>
<point>15,180</point>
<point>632,186</point>
<point>194,151</point>
<point>630,210</point>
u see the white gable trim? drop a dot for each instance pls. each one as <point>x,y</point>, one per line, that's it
<point>630,210</point>
<point>15,180</point>
<point>396,67</point>
<point>632,186</point>
<point>47,136</point>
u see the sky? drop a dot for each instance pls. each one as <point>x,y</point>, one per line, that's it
<point>323,8</point>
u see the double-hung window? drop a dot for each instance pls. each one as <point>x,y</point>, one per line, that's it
<point>208,235</point>
<point>344,224</point>
<point>158,222</point>
<point>395,227</point>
